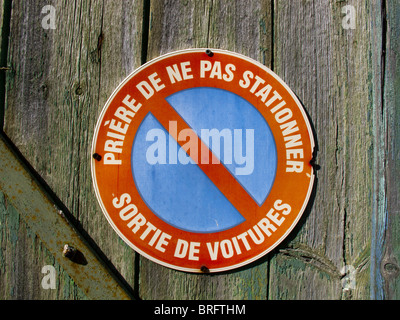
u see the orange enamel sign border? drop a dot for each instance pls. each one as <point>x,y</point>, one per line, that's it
<point>264,226</point>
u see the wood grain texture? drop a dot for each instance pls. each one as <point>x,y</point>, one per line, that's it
<point>59,82</point>
<point>346,79</point>
<point>387,284</point>
<point>328,67</point>
<point>5,12</point>
<point>379,195</point>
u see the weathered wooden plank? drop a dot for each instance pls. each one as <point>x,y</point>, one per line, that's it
<point>59,82</point>
<point>5,12</point>
<point>53,230</point>
<point>388,258</point>
<point>379,222</point>
<point>242,27</point>
<point>176,25</point>
<point>238,26</point>
<point>329,68</point>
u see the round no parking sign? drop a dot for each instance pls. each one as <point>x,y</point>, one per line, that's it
<point>202,160</point>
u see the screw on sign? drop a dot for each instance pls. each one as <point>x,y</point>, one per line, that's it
<point>202,160</point>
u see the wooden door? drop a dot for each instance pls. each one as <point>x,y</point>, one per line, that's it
<point>61,60</point>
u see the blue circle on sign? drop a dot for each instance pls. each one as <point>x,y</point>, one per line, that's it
<point>175,188</point>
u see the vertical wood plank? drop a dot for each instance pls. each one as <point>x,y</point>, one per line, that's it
<point>329,68</point>
<point>390,113</point>
<point>238,26</point>
<point>378,216</point>
<point>5,12</point>
<point>242,27</point>
<point>176,25</point>
<point>58,85</point>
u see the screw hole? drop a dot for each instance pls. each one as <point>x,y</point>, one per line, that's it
<point>96,156</point>
<point>314,164</point>
<point>204,269</point>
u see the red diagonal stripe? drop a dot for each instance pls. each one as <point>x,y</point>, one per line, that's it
<point>216,172</point>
